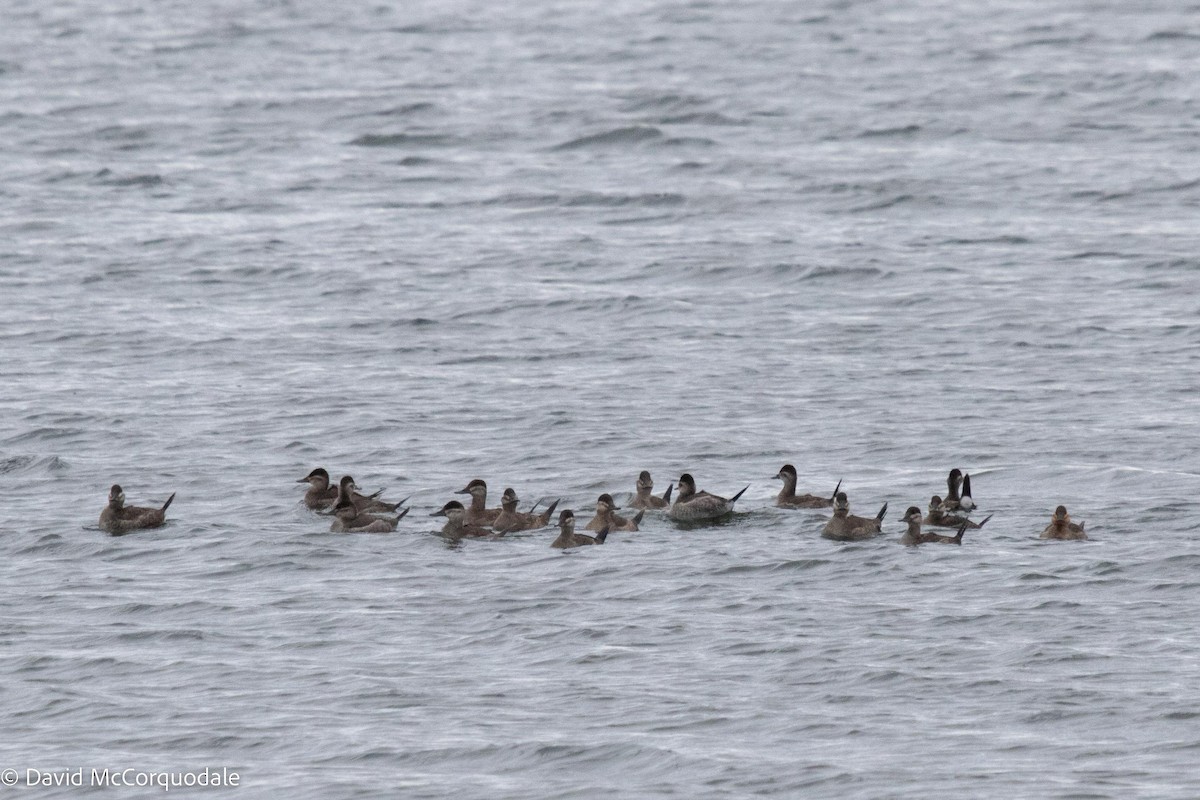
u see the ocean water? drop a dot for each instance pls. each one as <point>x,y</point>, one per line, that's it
<point>553,245</point>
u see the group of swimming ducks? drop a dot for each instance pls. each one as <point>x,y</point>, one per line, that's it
<point>354,512</point>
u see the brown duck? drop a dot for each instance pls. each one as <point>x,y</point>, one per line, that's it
<point>118,518</point>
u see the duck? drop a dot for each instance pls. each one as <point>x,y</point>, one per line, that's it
<point>845,527</point>
<point>788,498</point>
<point>322,495</point>
<point>479,513</point>
<point>119,519</point>
<point>367,504</point>
<point>642,497</point>
<point>605,518</point>
<point>568,538</point>
<point>510,520</point>
<point>939,518</point>
<point>913,536</point>
<point>1061,527</point>
<point>457,527</point>
<point>693,506</point>
<point>953,481</point>
<point>349,518</point>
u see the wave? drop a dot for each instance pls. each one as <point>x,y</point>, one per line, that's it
<point>633,134</point>
<point>404,140</point>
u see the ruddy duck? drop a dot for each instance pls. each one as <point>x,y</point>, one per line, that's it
<point>366,504</point>
<point>323,495</point>
<point>479,513</point>
<point>693,506</point>
<point>643,498</point>
<point>457,527</point>
<point>1061,527</point>
<point>567,537</point>
<point>953,482</point>
<point>351,520</point>
<point>118,518</point>
<point>846,527</point>
<point>788,498</point>
<point>913,536</point>
<point>320,493</point>
<point>941,519</point>
<point>511,520</point>
<point>605,518</point>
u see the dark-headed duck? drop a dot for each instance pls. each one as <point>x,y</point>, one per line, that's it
<point>846,527</point>
<point>605,518</point>
<point>567,537</point>
<point>693,506</point>
<point>479,513</point>
<point>787,497</point>
<point>118,518</point>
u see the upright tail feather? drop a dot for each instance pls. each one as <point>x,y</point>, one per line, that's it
<point>966,524</point>
<point>601,536</point>
<point>733,499</point>
<point>545,516</point>
<point>882,511</point>
<point>667,493</point>
<point>403,514</point>
<point>637,518</point>
<point>169,499</point>
<point>833,496</point>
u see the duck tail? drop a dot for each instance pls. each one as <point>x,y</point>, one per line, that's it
<point>833,496</point>
<point>545,516</point>
<point>961,530</point>
<point>882,511</point>
<point>637,518</point>
<point>601,536</point>
<point>403,514</point>
<point>984,522</point>
<point>667,493</point>
<point>166,504</point>
<point>734,499</point>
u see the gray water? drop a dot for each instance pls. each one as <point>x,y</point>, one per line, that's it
<point>554,245</point>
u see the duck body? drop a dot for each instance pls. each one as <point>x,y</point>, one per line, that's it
<point>845,527</point>
<point>787,497</point>
<point>938,517</point>
<point>606,518</point>
<point>509,520</point>
<point>478,513</point>
<point>323,495</point>
<point>1061,527</point>
<point>913,535</point>
<point>567,538</point>
<point>351,518</point>
<point>457,527</point>
<point>119,519</point>
<point>643,499</point>
<point>365,523</point>
<point>953,481</point>
<point>693,506</point>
